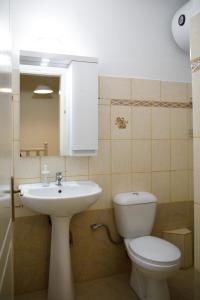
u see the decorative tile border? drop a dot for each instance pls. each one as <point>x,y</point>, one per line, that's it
<point>195,64</point>
<point>152,103</point>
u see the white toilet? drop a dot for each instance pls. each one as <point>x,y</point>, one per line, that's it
<point>153,259</point>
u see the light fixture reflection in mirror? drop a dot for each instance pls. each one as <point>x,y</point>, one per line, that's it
<point>43,89</point>
<point>6,90</point>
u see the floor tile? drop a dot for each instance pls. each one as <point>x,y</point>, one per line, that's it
<point>185,285</point>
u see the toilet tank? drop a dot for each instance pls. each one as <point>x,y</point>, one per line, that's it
<point>134,213</point>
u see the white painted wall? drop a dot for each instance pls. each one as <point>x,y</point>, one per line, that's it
<point>196,4</point>
<point>131,38</point>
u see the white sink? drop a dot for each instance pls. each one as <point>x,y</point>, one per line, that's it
<point>61,203</point>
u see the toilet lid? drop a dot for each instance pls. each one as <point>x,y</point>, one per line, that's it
<point>155,249</point>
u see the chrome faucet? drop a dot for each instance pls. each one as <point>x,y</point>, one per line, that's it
<point>59,178</point>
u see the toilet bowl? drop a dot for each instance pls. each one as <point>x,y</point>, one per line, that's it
<point>154,260</point>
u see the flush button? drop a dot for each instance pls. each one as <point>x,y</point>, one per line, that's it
<point>135,194</point>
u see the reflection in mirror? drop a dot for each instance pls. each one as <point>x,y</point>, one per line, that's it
<point>50,85</point>
<point>39,115</point>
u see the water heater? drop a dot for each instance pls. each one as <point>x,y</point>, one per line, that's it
<point>181,23</point>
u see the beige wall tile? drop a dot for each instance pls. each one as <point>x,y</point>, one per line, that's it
<point>179,215</point>
<point>77,166</point>
<point>122,112</point>
<point>197,236</point>
<point>19,181</point>
<point>77,178</point>
<point>90,247</point>
<point>160,155</point>
<point>105,199</point>
<point>141,123</point>
<point>180,124</point>
<point>114,88</point>
<point>25,167</point>
<point>104,122</point>
<point>141,182</point>
<point>101,164</point>
<point>121,183</point>
<point>141,155</point>
<point>174,91</point>
<point>179,155</point>
<point>160,123</point>
<point>179,186</point>
<point>143,89</point>
<point>121,156</point>
<point>161,186</point>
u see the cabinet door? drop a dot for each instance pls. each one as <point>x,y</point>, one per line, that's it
<point>6,265</point>
<point>83,108</point>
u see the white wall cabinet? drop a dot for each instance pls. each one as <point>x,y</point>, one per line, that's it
<point>82,109</point>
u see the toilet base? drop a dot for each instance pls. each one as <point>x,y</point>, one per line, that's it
<point>138,283</point>
<point>157,290</point>
<point>148,288</point>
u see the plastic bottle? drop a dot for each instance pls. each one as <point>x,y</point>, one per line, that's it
<point>44,176</point>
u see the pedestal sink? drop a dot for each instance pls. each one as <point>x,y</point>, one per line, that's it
<point>61,203</point>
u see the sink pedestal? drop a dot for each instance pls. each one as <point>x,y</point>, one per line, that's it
<point>70,198</point>
<point>60,273</point>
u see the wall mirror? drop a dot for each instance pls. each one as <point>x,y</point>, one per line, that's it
<point>58,104</point>
<point>39,111</point>
<point>42,92</point>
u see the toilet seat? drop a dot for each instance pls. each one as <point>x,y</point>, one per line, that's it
<point>153,250</point>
